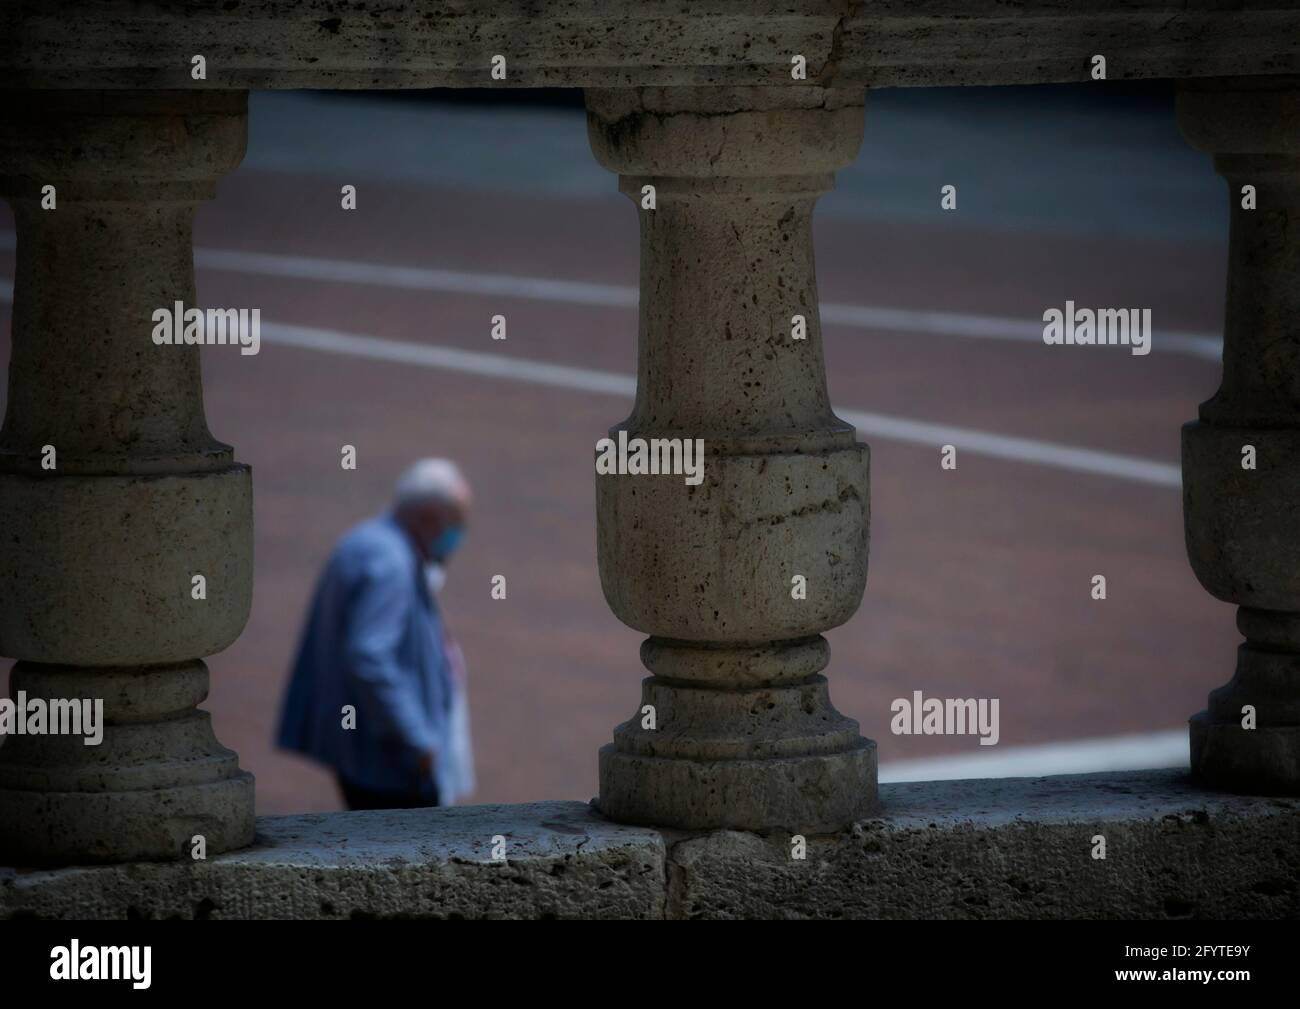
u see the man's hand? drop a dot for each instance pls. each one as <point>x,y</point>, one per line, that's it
<point>428,761</point>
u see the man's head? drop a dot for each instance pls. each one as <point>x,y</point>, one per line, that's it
<point>432,504</point>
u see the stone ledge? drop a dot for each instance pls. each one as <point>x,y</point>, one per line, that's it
<point>1014,848</point>
<point>997,848</point>
<point>562,861</point>
<point>87,44</point>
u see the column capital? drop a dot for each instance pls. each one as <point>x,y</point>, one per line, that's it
<point>1241,115</point>
<point>109,146</point>
<point>733,133</point>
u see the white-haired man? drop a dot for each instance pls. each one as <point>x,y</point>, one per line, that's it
<point>377,691</point>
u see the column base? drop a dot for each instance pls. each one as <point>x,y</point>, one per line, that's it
<point>1260,761</point>
<point>47,828</point>
<point>738,738</point>
<point>815,794</point>
<point>139,788</point>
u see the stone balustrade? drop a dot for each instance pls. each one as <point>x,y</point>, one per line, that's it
<point>1243,514</point>
<point>703,107</point>
<point>744,732</point>
<point>101,548</point>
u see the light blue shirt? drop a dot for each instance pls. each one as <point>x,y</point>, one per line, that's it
<point>374,641</point>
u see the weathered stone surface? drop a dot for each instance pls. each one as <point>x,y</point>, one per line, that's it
<point>744,731</point>
<point>598,43</point>
<point>1242,522</point>
<point>101,548</point>
<point>1001,848</point>
<point>99,571</point>
<point>157,778</point>
<point>1013,848</point>
<point>96,568</point>
<point>821,786</point>
<point>561,861</point>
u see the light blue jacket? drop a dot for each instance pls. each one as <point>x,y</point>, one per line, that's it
<point>374,640</point>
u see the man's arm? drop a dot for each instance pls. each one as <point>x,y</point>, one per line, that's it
<point>388,695</point>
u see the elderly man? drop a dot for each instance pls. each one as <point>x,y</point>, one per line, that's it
<point>377,690</point>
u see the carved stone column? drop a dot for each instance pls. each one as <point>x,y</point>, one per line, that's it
<point>98,553</point>
<point>744,735</point>
<point>1243,514</point>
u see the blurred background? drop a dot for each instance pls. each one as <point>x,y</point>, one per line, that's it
<point>376,333</point>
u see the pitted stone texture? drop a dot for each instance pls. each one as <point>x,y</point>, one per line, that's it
<point>716,562</point>
<point>817,790</point>
<point>98,570</point>
<point>675,132</point>
<point>151,734</point>
<point>100,551</point>
<point>110,146</point>
<point>71,828</point>
<point>1013,848</point>
<point>736,576</point>
<point>998,848</point>
<point>1264,760</point>
<point>146,755</point>
<point>738,667</point>
<point>583,43</point>
<point>156,778</point>
<point>85,376</point>
<point>1252,127</point>
<point>1243,525</point>
<point>561,861</point>
<point>788,720</point>
<point>1241,114</point>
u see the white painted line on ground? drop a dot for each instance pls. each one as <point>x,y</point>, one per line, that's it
<point>589,380</point>
<point>1206,346</point>
<point>467,361</point>
<point>870,425</point>
<point>417,278</point>
<point>1081,756</point>
<point>1025,450</point>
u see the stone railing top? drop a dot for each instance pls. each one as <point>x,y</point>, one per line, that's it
<point>587,43</point>
<point>998,848</point>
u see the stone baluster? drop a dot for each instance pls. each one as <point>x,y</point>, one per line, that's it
<point>744,735</point>
<point>98,552</point>
<point>1242,514</point>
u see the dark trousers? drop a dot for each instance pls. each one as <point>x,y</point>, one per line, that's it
<point>357,797</point>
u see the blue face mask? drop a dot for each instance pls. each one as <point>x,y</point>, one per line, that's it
<point>445,543</point>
